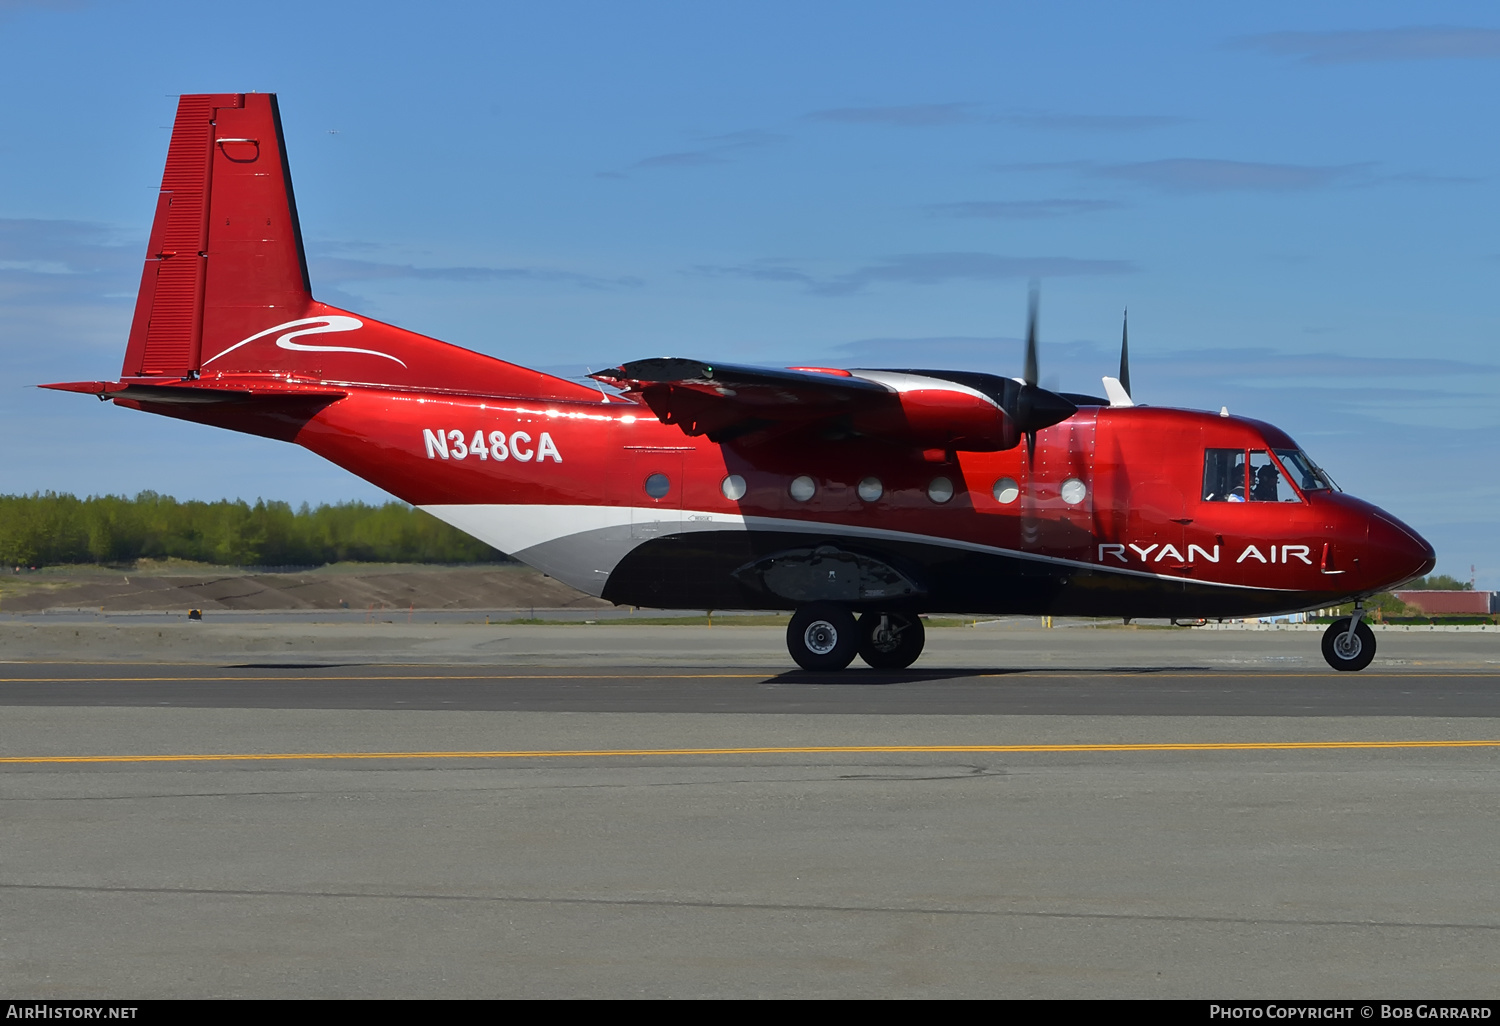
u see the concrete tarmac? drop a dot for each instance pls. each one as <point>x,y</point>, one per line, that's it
<point>1005,644</point>
<point>616,826</point>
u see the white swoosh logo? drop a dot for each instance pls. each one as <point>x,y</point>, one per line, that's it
<point>310,326</point>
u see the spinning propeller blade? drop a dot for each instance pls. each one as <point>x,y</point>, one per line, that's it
<point>1037,407</point>
<point>1030,374</point>
<point>1118,389</point>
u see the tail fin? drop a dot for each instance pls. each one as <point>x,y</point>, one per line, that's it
<point>225,248</point>
<point>225,289</point>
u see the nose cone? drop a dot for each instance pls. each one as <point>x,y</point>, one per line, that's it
<point>1399,552</point>
<point>1385,551</point>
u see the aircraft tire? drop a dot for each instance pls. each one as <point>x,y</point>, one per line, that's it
<point>822,636</point>
<point>893,649</point>
<point>1355,655</point>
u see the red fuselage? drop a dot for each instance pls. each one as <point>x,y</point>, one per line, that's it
<point>563,484</point>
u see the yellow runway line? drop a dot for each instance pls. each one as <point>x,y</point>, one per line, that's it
<point>619,753</point>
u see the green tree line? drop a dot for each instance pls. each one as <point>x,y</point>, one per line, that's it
<point>48,528</point>
<point>1438,582</point>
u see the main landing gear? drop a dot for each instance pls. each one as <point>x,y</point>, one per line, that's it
<point>1349,644</point>
<point>825,636</point>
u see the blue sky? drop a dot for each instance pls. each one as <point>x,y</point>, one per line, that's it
<point>1297,202</point>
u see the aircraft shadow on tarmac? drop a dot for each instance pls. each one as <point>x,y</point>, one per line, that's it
<point>289,666</point>
<point>886,677</point>
<point>845,678</point>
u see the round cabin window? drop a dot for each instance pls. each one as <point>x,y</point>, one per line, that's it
<point>1073,491</point>
<point>733,487</point>
<point>803,488</point>
<point>1006,491</point>
<point>657,485</point>
<point>870,489</point>
<point>940,490</point>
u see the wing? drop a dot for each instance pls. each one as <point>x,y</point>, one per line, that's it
<point>725,402</point>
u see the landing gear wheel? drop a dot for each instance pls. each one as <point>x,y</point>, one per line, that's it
<point>822,636</point>
<point>891,641</point>
<point>1344,652</point>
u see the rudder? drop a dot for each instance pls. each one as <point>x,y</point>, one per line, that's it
<point>225,243</point>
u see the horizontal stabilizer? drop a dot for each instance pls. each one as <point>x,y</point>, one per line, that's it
<point>194,393</point>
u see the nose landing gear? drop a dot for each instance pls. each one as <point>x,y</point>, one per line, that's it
<point>1349,644</point>
<point>824,636</point>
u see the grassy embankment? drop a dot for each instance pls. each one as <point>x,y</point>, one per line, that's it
<point>50,529</point>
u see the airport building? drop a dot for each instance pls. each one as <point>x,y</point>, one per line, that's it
<point>1447,603</point>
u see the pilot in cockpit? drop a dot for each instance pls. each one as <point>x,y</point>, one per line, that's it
<point>1234,488</point>
<point>1265,485</point>
<point>1224,475</point>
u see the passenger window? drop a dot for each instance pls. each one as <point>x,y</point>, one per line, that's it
<point>1224,475</point>
<point>1267,483</point>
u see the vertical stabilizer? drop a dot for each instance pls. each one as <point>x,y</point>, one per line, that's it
<point>225,289</point>
<point>225,246</point>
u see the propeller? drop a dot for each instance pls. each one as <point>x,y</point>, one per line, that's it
<point>1036,407</point>
<point>1118,389</point>
<point>1032,301</point>
<point>1031,534</point>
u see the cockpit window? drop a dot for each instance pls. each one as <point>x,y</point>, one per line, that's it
<point>1224,475</point>
<point>1267,483</point>
<point>1238,475</point>
<point>1308,475</point>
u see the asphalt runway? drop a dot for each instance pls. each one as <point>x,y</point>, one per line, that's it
<point>298,829</point>
<point>1014,644</point>
<point>920,691</point>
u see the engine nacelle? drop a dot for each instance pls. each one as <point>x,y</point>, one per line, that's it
<point>939,417</point>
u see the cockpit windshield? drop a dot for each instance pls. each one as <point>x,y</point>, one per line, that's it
<point>1267,483</point>
<point>1251,475</point>
<point>1308,475</point>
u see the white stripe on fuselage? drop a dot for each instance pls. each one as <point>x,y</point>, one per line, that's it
<point>514,529</point>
